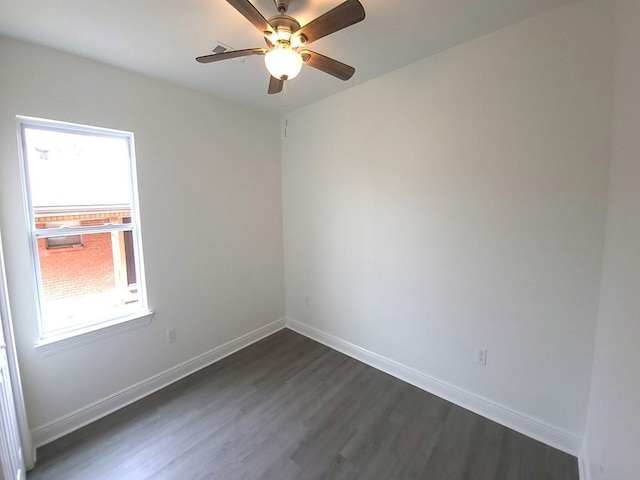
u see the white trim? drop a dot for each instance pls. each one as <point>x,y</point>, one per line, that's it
<point>59,343</point>
<point>57,428</point>
<point>520,422</point>
<point>584,467</point>
<point>28,450</point>
<point>86,230</point>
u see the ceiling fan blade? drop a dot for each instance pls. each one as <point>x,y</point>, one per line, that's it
<point>275,85</point>
<point>251,13</point>
<point>215,57</point>
<point>327,65</point>
<point>340,17</point>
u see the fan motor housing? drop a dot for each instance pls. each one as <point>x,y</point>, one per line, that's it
<point>285,22</point>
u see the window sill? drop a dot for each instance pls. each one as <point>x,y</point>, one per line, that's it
<point>59,343</point>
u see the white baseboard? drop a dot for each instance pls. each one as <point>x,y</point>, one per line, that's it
<point>68,423</point>
<point>534,428</point>
<point>520,422</point>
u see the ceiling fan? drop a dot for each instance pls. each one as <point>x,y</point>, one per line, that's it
<point>286,50</point>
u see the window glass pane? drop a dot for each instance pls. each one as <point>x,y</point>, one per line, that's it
<point>86,284</point>
<point>77,178</point>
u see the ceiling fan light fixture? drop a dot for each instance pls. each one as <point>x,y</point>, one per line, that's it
<point>283,62</point>
<point>287,41</point>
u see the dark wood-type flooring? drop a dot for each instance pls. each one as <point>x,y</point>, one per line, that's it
<point>290,408</point>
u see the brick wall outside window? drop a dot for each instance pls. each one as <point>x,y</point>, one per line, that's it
<point>79,270</point>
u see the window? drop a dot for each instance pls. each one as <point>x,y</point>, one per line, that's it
<point>64,241</point>
<point>81,192</point>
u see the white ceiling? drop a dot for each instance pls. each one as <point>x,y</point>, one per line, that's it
<point>161,38</point>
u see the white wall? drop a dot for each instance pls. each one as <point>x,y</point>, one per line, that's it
<point>459,203</point>
<point>613,426</point>
<point>210,200</point>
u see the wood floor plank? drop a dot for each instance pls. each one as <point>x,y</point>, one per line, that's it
<point>486,441</point>
<point>290,408</point>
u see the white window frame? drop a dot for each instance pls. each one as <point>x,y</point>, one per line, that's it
<point>84,332</point>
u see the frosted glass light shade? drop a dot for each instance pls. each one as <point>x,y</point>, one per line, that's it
<point>282,61</point>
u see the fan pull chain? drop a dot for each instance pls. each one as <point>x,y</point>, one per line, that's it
<point>284,107</point>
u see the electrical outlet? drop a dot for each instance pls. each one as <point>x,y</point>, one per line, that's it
<point>481,357</point>
<point>171,335</point>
